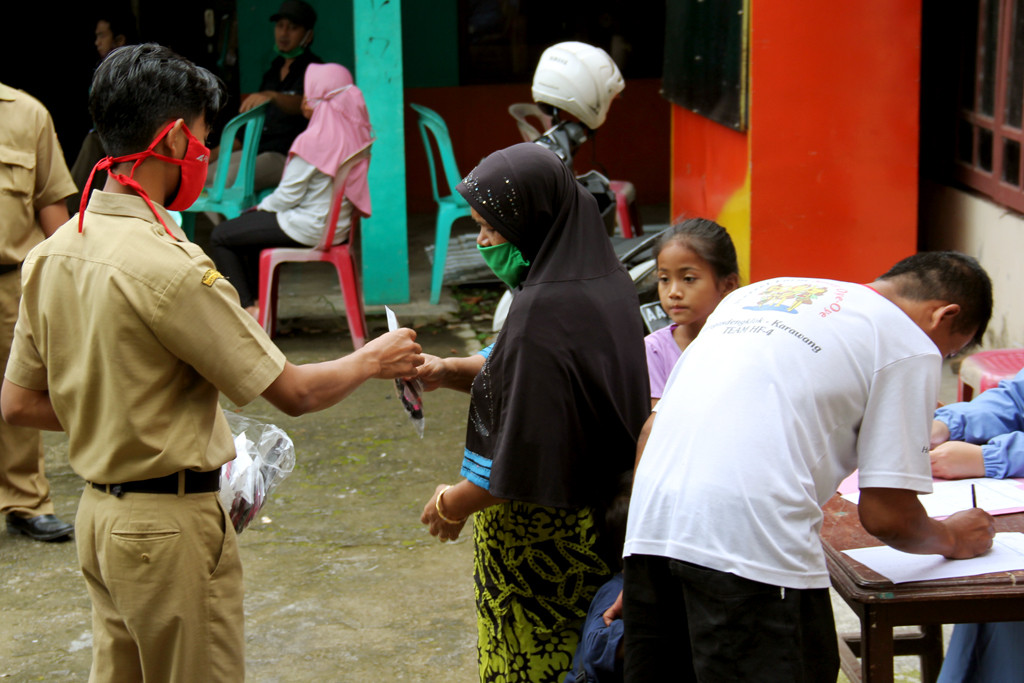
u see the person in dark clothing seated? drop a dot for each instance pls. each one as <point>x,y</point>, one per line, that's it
<point>281,86</point>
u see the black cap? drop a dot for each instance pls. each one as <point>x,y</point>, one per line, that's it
<point>299,12</point>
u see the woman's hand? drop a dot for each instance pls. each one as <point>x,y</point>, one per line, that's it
<point>957,460</point>
<point>445,531</point>
<point>432,373</point>
<point>449,373</point>
<point>456,503</point>
<point>940,433</point>
<point>614,612</point>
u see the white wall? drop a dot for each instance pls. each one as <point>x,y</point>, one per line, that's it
<point>953,219</point>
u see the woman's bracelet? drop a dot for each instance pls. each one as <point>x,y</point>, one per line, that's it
<point>437,506</point>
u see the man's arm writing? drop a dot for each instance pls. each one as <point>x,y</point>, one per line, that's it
<point>896,517</point>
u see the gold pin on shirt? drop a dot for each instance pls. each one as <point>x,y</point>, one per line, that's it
<point>211,276</point>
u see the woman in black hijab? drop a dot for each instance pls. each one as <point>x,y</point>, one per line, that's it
<point>556,406</point>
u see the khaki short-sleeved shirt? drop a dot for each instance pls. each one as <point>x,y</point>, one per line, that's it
<point>33,173</point>
<point>133,334</point>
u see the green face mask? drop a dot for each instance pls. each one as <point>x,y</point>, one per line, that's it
<point>507,262</point>
<point>291,54</point>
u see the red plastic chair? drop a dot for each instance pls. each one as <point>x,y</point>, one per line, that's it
<point>628,217</point>
<point>984,370</point>
<point>340,255</point>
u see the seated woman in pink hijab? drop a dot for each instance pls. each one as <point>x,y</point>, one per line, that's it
<point>294,215</point>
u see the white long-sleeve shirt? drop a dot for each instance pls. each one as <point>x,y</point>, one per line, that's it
<point>302,201</point>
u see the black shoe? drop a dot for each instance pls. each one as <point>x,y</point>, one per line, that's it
<point>40,527</point>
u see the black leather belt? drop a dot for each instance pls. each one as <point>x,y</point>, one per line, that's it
<point>195,482</point>
<point>8,267</point>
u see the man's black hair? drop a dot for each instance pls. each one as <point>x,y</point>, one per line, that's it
<point>947,276</point>
<point>138,89</point>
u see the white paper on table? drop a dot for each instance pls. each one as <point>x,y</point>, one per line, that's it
<point>1007,554</point>
<point>995,496</point>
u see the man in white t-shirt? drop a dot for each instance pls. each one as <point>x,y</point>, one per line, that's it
<point>792,384</point>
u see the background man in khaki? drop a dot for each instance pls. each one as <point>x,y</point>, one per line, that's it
<point>34,181</point>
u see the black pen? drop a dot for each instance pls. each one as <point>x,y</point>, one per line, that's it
<point>974,498</point>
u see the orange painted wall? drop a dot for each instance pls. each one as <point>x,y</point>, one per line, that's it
<point>633,144</point>
<point>710,178</point>
<point>709,164</point>
<point>832,145</point>
<point>833,136</point>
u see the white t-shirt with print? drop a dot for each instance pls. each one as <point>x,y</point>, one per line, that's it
<point>791,385</point>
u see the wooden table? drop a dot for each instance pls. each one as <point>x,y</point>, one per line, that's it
<point>881,605</point>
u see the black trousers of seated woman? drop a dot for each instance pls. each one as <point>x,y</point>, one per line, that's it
<point>235,247</point>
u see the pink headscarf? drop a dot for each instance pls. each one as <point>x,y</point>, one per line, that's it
<point>338,128</point>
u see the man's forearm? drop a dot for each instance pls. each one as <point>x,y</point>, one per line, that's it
<point>896,517</point>
<point>23,407</point>
<point>301,389</point>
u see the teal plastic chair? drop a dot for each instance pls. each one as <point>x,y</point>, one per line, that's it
<point>450,206</point>
<point>231,200</point>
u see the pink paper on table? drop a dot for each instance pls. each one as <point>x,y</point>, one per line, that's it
<point>850,484</point>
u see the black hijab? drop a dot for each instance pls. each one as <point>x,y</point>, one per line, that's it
<point>561,399</point>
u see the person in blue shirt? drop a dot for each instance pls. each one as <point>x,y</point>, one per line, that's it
<point>982,438</point>
<point>599,655</point>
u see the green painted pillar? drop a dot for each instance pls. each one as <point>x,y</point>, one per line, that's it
<point>384,240</point>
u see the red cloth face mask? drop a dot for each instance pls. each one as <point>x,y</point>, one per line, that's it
<point>194,166</point>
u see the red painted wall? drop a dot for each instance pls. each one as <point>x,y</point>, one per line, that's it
<point>833,136</point>
<point>633,144</point>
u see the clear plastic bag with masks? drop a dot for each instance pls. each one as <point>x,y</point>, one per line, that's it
<point>264,456</point>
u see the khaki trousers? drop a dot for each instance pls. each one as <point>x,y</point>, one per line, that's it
<point>23,486</point>
<point>165,579</point>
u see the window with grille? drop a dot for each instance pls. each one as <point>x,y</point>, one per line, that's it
<point>989,131</point>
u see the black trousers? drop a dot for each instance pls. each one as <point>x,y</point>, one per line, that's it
<point>689,623</point>
<point>235,247</point>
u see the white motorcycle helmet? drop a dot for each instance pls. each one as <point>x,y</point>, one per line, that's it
<point>579,79</point>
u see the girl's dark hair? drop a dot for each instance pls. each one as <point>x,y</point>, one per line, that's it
<point>139,88</point>
<point>707,239</point>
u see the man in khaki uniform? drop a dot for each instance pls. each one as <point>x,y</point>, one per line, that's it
<point>34,181</point>
<point>127,336</point>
